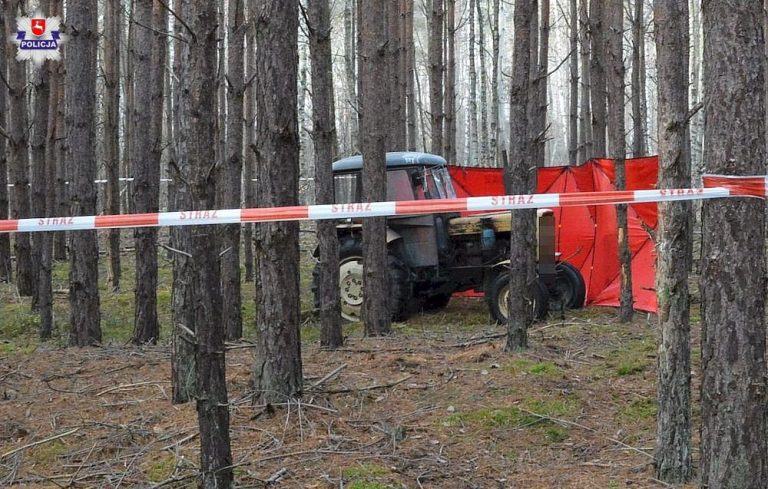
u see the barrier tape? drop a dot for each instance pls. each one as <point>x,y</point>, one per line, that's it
<point>715,187</point>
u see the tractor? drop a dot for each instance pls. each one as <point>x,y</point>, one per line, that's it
<point>430,257</point>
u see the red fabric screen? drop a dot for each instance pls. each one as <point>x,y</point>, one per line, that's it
<point>587,236</point>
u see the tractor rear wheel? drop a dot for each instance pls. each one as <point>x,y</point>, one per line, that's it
<point>498,296</point>
<point>351,283</point>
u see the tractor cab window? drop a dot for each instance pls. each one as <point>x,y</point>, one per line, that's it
<point>399,185</point>
<point>346,187</point>
<point>439,183</point>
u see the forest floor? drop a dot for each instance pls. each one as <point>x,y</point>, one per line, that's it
<point>437,405</point>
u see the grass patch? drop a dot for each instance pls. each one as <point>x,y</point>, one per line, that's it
<point>364,471</point>
<point>162,468</point>
<point>48,454</point>
<point>545,369</point>
<point>370,485</point>
<point>635,357</point>
<point>640,409</point>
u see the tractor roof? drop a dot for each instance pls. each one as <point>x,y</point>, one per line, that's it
<point>396,159</point>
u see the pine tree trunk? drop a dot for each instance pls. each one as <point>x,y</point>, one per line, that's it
<point>350,43</point>
<point>112,42</point>
<point>249,161</point>
<point>733,283</point>
<point>573,101</point>
<point>396,136</point>
<point>673,433</point>
<point>39,183</point>
<point>183,363</point>
<point>496,40</point>
<point>586,148</point>
<point>146,167</point>
<point>410,95</point>
<point>613,24</point>
<point>127,193</point>
<point>201,113</point>
<point>58,191</point>
<point>6,271</point>
<point>277,376</point>
<point>472,153</point>
<point>18,157</point>
<point>450,83</point>
<point>540,89</point>
<point>598,87</point>
<point>373,126</point>
<point>638,88</point>
<point>52,161</point>
<point>436,22</point>
<point>80,110</point>
<point>483,123</point>
<point>521,179</point>
<point>231,174</point>
<point>697,121</point>
<point>324,133</point>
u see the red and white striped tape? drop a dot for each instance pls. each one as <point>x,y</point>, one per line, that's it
<point>715,187</point>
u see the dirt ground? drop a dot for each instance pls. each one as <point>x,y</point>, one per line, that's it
<point>437,405</point>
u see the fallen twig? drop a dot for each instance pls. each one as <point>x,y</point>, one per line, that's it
<point>131,386</point>
<point>36,443</point>
<point>478,341</point>
<point>329,376</point>
<point>368,388</point>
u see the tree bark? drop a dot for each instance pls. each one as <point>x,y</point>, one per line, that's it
<point>638,74</point>
<point>6,270</point>
<point>127,203</point>
<point>18,157</point>
<point>540,89</point>
<point>483,122</point>
<point>396,134</point>
<point>39,184</point>
<point>183,363</point>
<point>52,160</point>
<point>59,190</point>
<point>733,276</point>
<point>449,151</point>
<point>231,173</point>
<point>521,179</point>
<point>146,167</point>
<point>112,42</point>
<point>201,113</point>
<point>249,161</point>
<point>410,66</point>
<point>496,41</point>
<point>376,315</point>
<point>573,101</point>
<point>80,119</point>
<point>598,82</point>
<point>436,22</point>
<point>613,22</point>
<point>673,432</point>
<point>472,143</point>
<point>585,117</point>
<point>350,43</point>
<point>277,373</point>
<point>324,134</point>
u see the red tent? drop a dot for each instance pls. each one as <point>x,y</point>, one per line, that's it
<point>587,236</point>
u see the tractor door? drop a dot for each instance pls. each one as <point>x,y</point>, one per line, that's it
<point>419,240</point>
